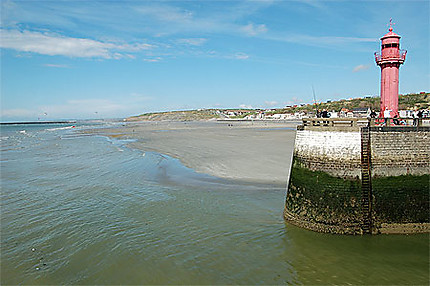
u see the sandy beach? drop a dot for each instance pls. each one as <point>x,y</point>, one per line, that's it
<point>246,151</point>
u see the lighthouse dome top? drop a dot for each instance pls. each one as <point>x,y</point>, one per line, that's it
<point>390,33</point>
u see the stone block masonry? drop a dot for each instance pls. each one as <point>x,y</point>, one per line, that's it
<point>410,155</point>
<point>360,179</point>
<point>334,152</point>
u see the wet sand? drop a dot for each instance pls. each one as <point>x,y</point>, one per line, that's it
<point>246,151</point>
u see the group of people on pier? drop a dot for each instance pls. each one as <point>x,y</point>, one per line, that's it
<point>386,118</point>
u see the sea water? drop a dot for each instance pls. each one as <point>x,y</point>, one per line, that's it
<point>85,209</point>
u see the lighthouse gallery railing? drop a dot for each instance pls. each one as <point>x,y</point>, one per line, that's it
<point>400,55</point>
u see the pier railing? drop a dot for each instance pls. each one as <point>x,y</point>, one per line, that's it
<point>356,123</point>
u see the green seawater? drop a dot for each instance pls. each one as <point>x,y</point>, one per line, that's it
<point>85,210</point>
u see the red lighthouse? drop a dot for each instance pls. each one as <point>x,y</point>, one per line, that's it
<point>389,59</point>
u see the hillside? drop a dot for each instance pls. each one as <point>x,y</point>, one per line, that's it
<point>407,101</point>
<point>187,115</point>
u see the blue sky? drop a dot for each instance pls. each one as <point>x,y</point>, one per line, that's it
<point>105,59</point>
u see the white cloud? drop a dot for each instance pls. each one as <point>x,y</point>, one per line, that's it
<point>53,45</point>
<point>318,41</point>
<point>360,68</point>
<point>271,103</point>
<point>246,106</point>
<point>151,18</point>
<point>313,3</point>
<point>241,56</point>
<point>152,60</point>
<point>253,30</point>
<point>166,13</point>
<point>56,66</point>
<point>192,41</point>
<point>169,19</point>
<point>236,56</point>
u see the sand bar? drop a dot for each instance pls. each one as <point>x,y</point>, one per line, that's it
<point>246,151</point>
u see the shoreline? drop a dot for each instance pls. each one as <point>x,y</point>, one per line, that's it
<point>258,152</point>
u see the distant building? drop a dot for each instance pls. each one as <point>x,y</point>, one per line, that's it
<point>361,112</point>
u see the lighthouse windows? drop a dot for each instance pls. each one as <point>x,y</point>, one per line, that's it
<point>393,45</point>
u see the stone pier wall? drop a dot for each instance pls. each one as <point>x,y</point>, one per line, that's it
<point>325,191</point>
<point>400,179</point>
<point>335,152</point>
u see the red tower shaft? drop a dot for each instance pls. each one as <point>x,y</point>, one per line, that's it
<point>389,59</point>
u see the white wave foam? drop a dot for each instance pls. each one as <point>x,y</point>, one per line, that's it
<point>60,128</point>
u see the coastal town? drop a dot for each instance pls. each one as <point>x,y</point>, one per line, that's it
<point>410,106</point>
